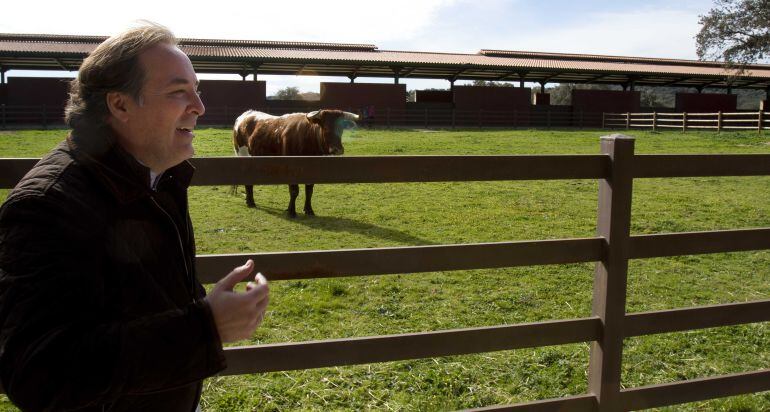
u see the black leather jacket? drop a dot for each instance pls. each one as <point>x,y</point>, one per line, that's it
<point>100,308</point>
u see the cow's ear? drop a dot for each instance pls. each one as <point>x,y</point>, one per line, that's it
<point>314,117</point>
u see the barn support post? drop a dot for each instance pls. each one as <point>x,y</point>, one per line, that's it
<point>581,120</point>
<point>610,274</point>
<point>2,75</point>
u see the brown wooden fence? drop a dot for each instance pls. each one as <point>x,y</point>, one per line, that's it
<point>616,167</point>
<point>683,121</point>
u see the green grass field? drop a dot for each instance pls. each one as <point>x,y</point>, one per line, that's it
<point>378,215</point>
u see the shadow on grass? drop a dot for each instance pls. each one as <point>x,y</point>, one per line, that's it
<point>341,224</point>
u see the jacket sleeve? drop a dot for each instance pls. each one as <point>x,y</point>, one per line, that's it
<point>58,349</point>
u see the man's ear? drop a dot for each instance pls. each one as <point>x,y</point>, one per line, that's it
<point>117,103</point>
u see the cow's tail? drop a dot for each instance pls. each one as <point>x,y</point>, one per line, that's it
<point>239,141</point>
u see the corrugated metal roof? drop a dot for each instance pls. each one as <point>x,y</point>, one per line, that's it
<point>243,57</point>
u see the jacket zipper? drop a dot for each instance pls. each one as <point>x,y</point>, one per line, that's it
<point>181,246</point>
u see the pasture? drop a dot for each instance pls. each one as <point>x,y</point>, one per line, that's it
<point>379,215</point>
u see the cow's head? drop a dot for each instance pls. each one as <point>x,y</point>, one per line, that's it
<point>333,123</point>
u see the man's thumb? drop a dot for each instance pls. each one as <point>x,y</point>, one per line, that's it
<point>236,275</point>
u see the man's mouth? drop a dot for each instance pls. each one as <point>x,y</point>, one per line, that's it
<point>185,129</point>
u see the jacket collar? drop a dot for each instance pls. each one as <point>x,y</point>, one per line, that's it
<point>126,178</point>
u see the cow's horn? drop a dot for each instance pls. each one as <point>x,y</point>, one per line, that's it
<point>314,114</point>
<point>350,116</point>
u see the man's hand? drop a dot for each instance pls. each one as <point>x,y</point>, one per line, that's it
<point>236,314</point>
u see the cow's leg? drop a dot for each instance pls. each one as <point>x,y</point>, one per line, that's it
<point>293,193</point>
<point>308,199</point>
<point>250,196</point>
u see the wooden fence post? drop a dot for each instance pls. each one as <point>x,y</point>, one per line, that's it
<point>760,120</point>
<point>609,297</point>
<point>684,122</point>
<point>719,121</point>
<point>654,121</point>
<point>604,120</point>
<point>628,120</point>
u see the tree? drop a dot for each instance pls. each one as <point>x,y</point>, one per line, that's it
<point>736,31</point>
<point>491,83</point>
<point>288,93</point>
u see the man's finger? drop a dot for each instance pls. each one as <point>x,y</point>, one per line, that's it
<point>259,279</point>
<point>238,274</point>
<point>258,292</point>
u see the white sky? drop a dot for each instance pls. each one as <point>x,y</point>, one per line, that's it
<point>652,28</point>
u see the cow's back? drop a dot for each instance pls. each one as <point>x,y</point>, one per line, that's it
<point>287,135</point>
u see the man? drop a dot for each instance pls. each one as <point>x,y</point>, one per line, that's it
<point>100,308</point>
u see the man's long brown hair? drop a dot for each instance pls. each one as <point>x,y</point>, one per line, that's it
<point>112,67</point>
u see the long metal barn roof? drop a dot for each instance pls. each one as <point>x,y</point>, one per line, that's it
<point>244,57</point>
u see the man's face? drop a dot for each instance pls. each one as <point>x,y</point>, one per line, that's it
<point>158,129</point>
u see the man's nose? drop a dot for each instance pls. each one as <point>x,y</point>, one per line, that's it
<point>197,106</point>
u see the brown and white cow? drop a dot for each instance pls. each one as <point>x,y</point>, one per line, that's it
<point>317,133</point>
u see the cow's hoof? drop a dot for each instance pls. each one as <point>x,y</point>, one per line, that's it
<point>309,212</point>
<point>252,204</point>
<point>292,214</point>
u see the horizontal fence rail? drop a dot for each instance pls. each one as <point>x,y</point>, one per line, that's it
<point>677,320</point>
<point>399,169</point>
<point>411,259</point>
<point>577,403</point>
<point>693,390</point>
<point>353,351</point>
<point>616,168</point>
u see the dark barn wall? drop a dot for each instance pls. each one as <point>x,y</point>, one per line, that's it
<point>492,98</point>
<point>542,99</point>
<point>225,100</point>
<point>605,101</point>
<point>357,96</point>
<point>706,102</point>
<point>38,91</point>
<point>3,94</point>
<point>233,93</point>
<point>433,96</point>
